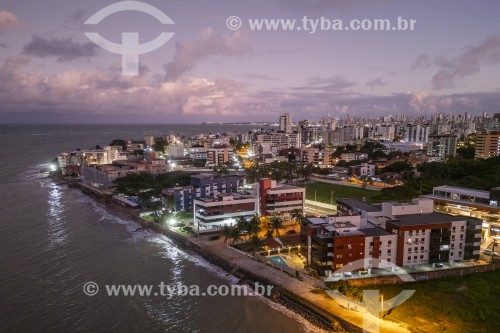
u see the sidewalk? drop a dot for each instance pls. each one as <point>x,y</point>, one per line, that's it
<point>300,288</point>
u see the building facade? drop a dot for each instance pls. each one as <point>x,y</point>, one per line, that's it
<point>488,145</point>
<point>279,198</point>
<point>222,210</point>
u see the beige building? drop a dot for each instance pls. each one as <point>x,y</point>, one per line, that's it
<point>488,144</point>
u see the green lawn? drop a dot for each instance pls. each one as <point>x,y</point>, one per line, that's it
<point>323,192</point>
<point>468,303</point>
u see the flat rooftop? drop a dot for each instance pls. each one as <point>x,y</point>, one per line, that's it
<point>463,191</point>
<point>428,219</point>
<point>375,232</point>
<point>363,205</point>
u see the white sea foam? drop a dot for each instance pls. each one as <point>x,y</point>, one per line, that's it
<point>171,251</point>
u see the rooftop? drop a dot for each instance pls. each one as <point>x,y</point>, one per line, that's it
<point>463,191</point>
<point>428,219</point>
<point>375,232</point>
<point>363,205</point>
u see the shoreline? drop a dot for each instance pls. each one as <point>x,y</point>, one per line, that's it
<point>312,313</point>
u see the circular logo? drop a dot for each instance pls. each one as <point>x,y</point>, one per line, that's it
<point>233,23</point>
<point>90,288</point>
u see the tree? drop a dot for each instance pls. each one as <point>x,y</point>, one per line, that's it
<point>275,223</point>
<point>119,142</point>
<point>226,233</point>
<point>234,235</point>
<point>297,216</point>
<point>254,243</point>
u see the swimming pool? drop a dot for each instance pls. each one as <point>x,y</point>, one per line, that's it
<point>279,260</point>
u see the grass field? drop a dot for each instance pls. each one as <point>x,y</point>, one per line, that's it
<point>323,192</point>
<point>469,303</point>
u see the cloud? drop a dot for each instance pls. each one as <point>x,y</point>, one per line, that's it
<point>207,44</point>
<point>423,62</point>
<point>469,62</point>
<point>378,82</point>
<point>256,76</point>
<point>8,20</point>
<point>74,93</point>
<point>64,49</point>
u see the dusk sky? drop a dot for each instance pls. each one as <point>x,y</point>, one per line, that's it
<point>51,72</point>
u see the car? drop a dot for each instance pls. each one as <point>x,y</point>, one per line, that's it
<point>438,265</point>
<point>214,237</point>
<point>347,274</point>
<point>365,272</point>
<point>337,275</point>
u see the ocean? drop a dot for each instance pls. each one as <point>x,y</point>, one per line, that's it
<point>54,239</point>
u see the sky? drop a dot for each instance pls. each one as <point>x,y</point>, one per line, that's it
<point>50,71</point>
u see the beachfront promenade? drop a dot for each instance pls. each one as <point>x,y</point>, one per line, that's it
<point>292,284</point>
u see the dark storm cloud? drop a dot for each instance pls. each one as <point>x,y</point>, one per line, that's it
<point>64,49</point>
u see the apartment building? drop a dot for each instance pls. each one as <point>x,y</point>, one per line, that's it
<point>219,156</point>
<point>443,145</point>
<point>279,198</point>
<point>404,234</point>
<point>222,209</point>
<point>317,156</point>
<point>488,144</point>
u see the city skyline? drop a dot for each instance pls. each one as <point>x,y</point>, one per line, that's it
<point>51,72</point>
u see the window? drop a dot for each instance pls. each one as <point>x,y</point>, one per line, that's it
<point>409,257</point>
<point>452,237</point>
<point>415,257</point>
<point>451,253</point>
<point>454,228</point>
<point>380,242</point>
<point>421,256</point>
<point>410,233</point>
<point>370,253</point>
<point>389,251</point>
<point>459,253</point>
<point>416,248</point>
<point>371,243</point>
<point>462,236</point>
<point>339,256</point>
<point>389,242</point>
<point>462,227</point>
<point>388,259</point>
<point>421,248</point>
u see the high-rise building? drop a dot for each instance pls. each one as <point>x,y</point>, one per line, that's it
<point>488,144</point>
<point>286,123</point>
<point>442,145</point>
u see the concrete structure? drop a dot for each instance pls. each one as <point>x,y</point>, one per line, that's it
<point>357,156</point>
<point>405,234</point>
<point>103,176</point>
<point>317,156</point>
<point>468,202</point>
<point>443,145</point>
<point>281,140</point>
<point>286,123</point>
<point>150,140</point>
<point>219,156</point>
<point>279,198</point>
<point>202,186</point>
<point>488,145</point>
<point>222,209</point>
<point>363,170</point>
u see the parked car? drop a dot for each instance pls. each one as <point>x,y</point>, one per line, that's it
<point>365,272</point>
<point>213,237</point>
<point>347,274</point>
<point>438,265</point>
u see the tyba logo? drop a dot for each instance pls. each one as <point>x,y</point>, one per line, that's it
<point>130,49</point>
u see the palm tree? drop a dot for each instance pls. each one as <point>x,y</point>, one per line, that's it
<point>226,233</point>
<point>254,226</point>
<point>298,216</point>
<point>234,235</point>
<point>275,223</point>
<point>254,243</point>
